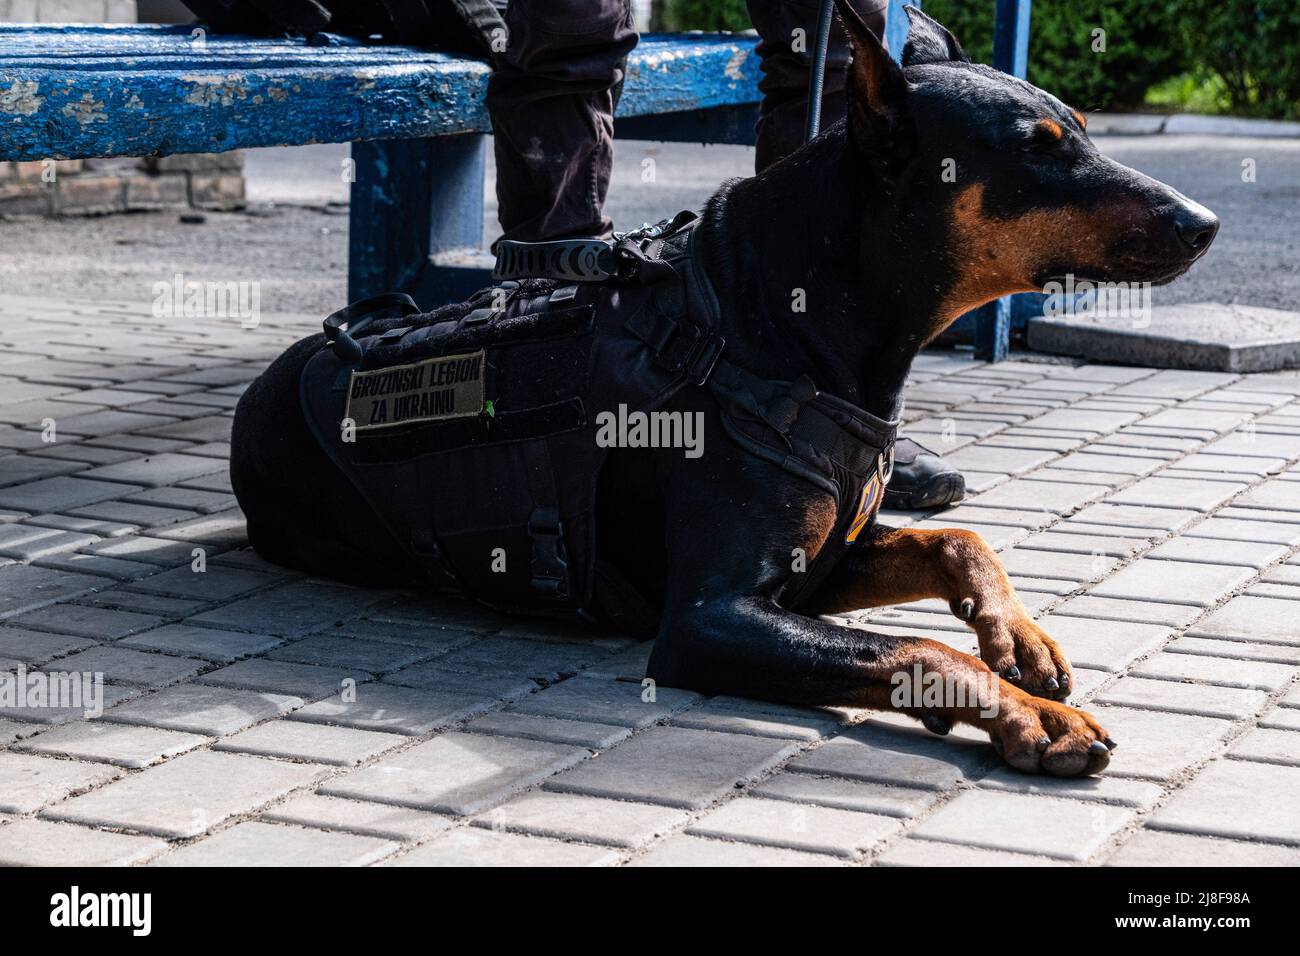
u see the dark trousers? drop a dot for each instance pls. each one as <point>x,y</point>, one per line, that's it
<point>552,98</point>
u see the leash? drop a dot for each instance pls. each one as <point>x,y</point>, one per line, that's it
<point>817,78</point>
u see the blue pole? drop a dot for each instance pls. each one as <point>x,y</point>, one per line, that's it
<point>896,28</point>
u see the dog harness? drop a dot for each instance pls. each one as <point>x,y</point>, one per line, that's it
<point>471,430</point>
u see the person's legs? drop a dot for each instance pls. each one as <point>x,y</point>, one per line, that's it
<point>551,99</point>
<point>788,31</point>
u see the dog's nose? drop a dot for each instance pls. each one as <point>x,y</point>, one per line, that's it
<point>1196,226</point>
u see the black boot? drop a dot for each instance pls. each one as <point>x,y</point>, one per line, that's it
<point>921,479</point>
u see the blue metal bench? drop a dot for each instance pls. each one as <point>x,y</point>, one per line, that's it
<point>415,120</point>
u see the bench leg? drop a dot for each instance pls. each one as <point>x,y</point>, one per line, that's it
<point>416,218</point>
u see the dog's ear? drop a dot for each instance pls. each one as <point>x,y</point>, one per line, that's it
<point>928,41</point>
<point>877,100</point>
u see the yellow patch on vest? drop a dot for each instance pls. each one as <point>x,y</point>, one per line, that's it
<point>449,386</point>
<point>868,504</point>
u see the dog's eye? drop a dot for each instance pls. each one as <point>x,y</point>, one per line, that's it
<point>1045,136</point>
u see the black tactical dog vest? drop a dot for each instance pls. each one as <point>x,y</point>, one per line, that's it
<point>471,430</point>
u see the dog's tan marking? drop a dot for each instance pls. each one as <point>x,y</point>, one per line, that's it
<point>1080,119</point>
<point>1051,128</point>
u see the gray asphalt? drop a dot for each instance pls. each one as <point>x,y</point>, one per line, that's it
<point>293,240</point>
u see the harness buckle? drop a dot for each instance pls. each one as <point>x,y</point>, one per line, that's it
<point>691,350</point>
<point>550,564</point>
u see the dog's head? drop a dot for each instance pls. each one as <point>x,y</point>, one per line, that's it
<point>1001,176</point>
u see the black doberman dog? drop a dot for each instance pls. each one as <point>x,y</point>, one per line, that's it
<point>890,247</point>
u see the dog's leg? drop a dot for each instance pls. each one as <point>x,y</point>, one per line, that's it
<point>749,646</point>
<point>896,565</point>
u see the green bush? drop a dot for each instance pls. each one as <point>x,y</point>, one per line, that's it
<point>1142,45</point>
<point>1254,48</point>
<point>678,15</point>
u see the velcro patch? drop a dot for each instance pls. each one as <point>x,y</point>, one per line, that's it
<point>449,386</point>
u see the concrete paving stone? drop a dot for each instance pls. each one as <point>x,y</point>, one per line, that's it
<point>1109,645</point>
<point>675,766</point>
<point>1148,848</point>
<point>846,794</point>
<point>1173,472</point>
<point>213,711</point>
<point>60,493</point>
<point>253,843</point>
<point>20,469</point>
<point>810,828</point>
<point>281,677</point>
<point>429,676</point>
<point>1238,799</point>
<point>11,730</point>
<point>115,599</point>
<point>736,715</point>
<point>876,752</point>
<point>1247,554</point>
<point>88,527</point>
<point>1251,618</point>
<point>547,661</point>
<point>1047,826</point>
<point>933,853</point>
<point>375,657</point>
<point>31,414</point>
<point>1022,518</point>
<point>1097,422</point>
<point>143,548</point>
<point>1268,745</point>
<point>73,704</point>
<point>187,499</point>
<point>308,742</point>
<point>1254,464</point>
<point>457,773</point>
<point>215,583</point>
<point>606,702</point>
<point>553,729</point>
<point>1234,529</point>
<point>1255,444</point>
<point>133,515</point>
<point>25,588</point>
<point>1206,700</point>
<point>1103,461</point>
<point>136,444</point>
<point>36,647</point>
<point>399,710</point>
<point>1196,419</point>
<point>1161,492</point>
<point>81,453</point>
<point>121,665</point>
<point>472,846</point>
<point>1047,441</point>
<point>1174,582</point>
<point>1276,495</point>
<point>1168,520</point>
<point>1074,568</point>
<point>628,665</point>
<point>429,638</point>
<point>101,624</point>
<point>1006,461</point>
<point>566,816</point>
<point>113,397</point>
<point>206,643</point>
<point>293,609</point>
<point>1071,476</point>
<point>188,795</point>
<point>122,745</point>
<point>1241,650</point>
<point>357,816</point>
<point>1057,497</point>
<point>42,843</point>
<point>1089,544</point>
<point>1107,788</point>
<point>1283,574</point>
<point>28,783</point>
<point>93,564</point>
<point>1225,672</point>
<point>1282,718</point>
<point>219,531</point>
<point>205,429</point>
<point>1052,586</point>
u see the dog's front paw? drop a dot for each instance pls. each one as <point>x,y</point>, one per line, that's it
<point>1043,736</point>
<point>1023,654</point>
